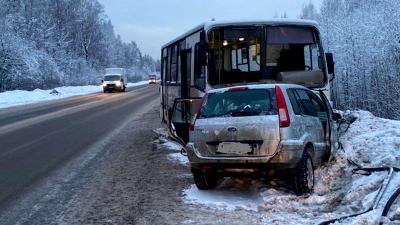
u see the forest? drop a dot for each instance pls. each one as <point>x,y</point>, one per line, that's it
<point>50,43</point>
<point>364,37</point>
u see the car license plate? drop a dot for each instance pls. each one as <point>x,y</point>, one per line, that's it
<point>234,148</point>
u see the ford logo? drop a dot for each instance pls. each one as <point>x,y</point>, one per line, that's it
<point>232,129</point>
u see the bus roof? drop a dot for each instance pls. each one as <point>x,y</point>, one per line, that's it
<point>277,21</point>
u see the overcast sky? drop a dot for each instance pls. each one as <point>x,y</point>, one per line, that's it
<point>152,23</point>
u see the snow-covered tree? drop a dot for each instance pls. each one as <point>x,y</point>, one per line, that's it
<point>364,37</point>
<point>48,43</point>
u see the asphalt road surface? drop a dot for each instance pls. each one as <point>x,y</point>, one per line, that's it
<point>37,139</point>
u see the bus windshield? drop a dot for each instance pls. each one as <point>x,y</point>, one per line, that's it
<point>287,54</point>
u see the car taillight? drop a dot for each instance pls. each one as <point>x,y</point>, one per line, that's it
<point>284,120</point>
<point>191,128</point>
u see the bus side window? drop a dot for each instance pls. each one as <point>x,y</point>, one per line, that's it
<point>168,77</point>
<point>181,48</point>
<point>174,62</point>
<point>199,72</point>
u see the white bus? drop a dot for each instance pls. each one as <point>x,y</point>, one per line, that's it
<point>230,53</point>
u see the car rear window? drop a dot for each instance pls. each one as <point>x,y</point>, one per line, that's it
<point>251,102</point>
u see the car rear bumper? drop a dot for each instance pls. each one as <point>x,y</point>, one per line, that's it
<point>287,156</point>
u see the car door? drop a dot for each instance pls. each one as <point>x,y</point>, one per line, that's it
<point>314,127</point>
<point>333,127</point>
<point>181,117</point>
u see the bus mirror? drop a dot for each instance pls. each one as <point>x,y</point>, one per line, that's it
<point>102,81</point>
<point>330,63</point>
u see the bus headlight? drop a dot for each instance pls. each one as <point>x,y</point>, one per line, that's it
<point>104,84</point>
<point>118,83</point>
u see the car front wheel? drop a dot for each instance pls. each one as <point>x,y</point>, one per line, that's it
<point>205,179</point>
<point>303,182</point>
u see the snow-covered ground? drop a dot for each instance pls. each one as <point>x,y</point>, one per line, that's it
<point>165,142</point>
<point>176,156</point>
<point>370,142</point>
<point>18,97</point>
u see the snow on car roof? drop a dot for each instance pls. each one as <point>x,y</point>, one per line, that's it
<point>256,86</point>
<point>276,21</point>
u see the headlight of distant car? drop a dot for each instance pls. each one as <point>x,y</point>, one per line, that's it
<point>118,83</point>
<point>104,84</point>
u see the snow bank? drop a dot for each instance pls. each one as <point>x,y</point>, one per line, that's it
<point>370,142</point>
<point>137,84</point>
<point>373,141</point>
<point>15,98</point>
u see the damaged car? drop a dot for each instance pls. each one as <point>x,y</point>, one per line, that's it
<point>257,129</point>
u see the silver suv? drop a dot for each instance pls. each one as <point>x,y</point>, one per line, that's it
<point>259,128</point>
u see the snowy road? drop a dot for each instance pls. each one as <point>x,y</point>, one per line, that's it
<point>40,139</point>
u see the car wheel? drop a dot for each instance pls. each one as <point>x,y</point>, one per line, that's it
<point>205,179</point>
<point>303,182</point>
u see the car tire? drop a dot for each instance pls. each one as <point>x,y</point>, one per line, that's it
<point>303,179</point>
<point>205,179</point>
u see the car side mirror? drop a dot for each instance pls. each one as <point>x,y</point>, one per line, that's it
<point>330,63</point>
<point>337,116</point>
